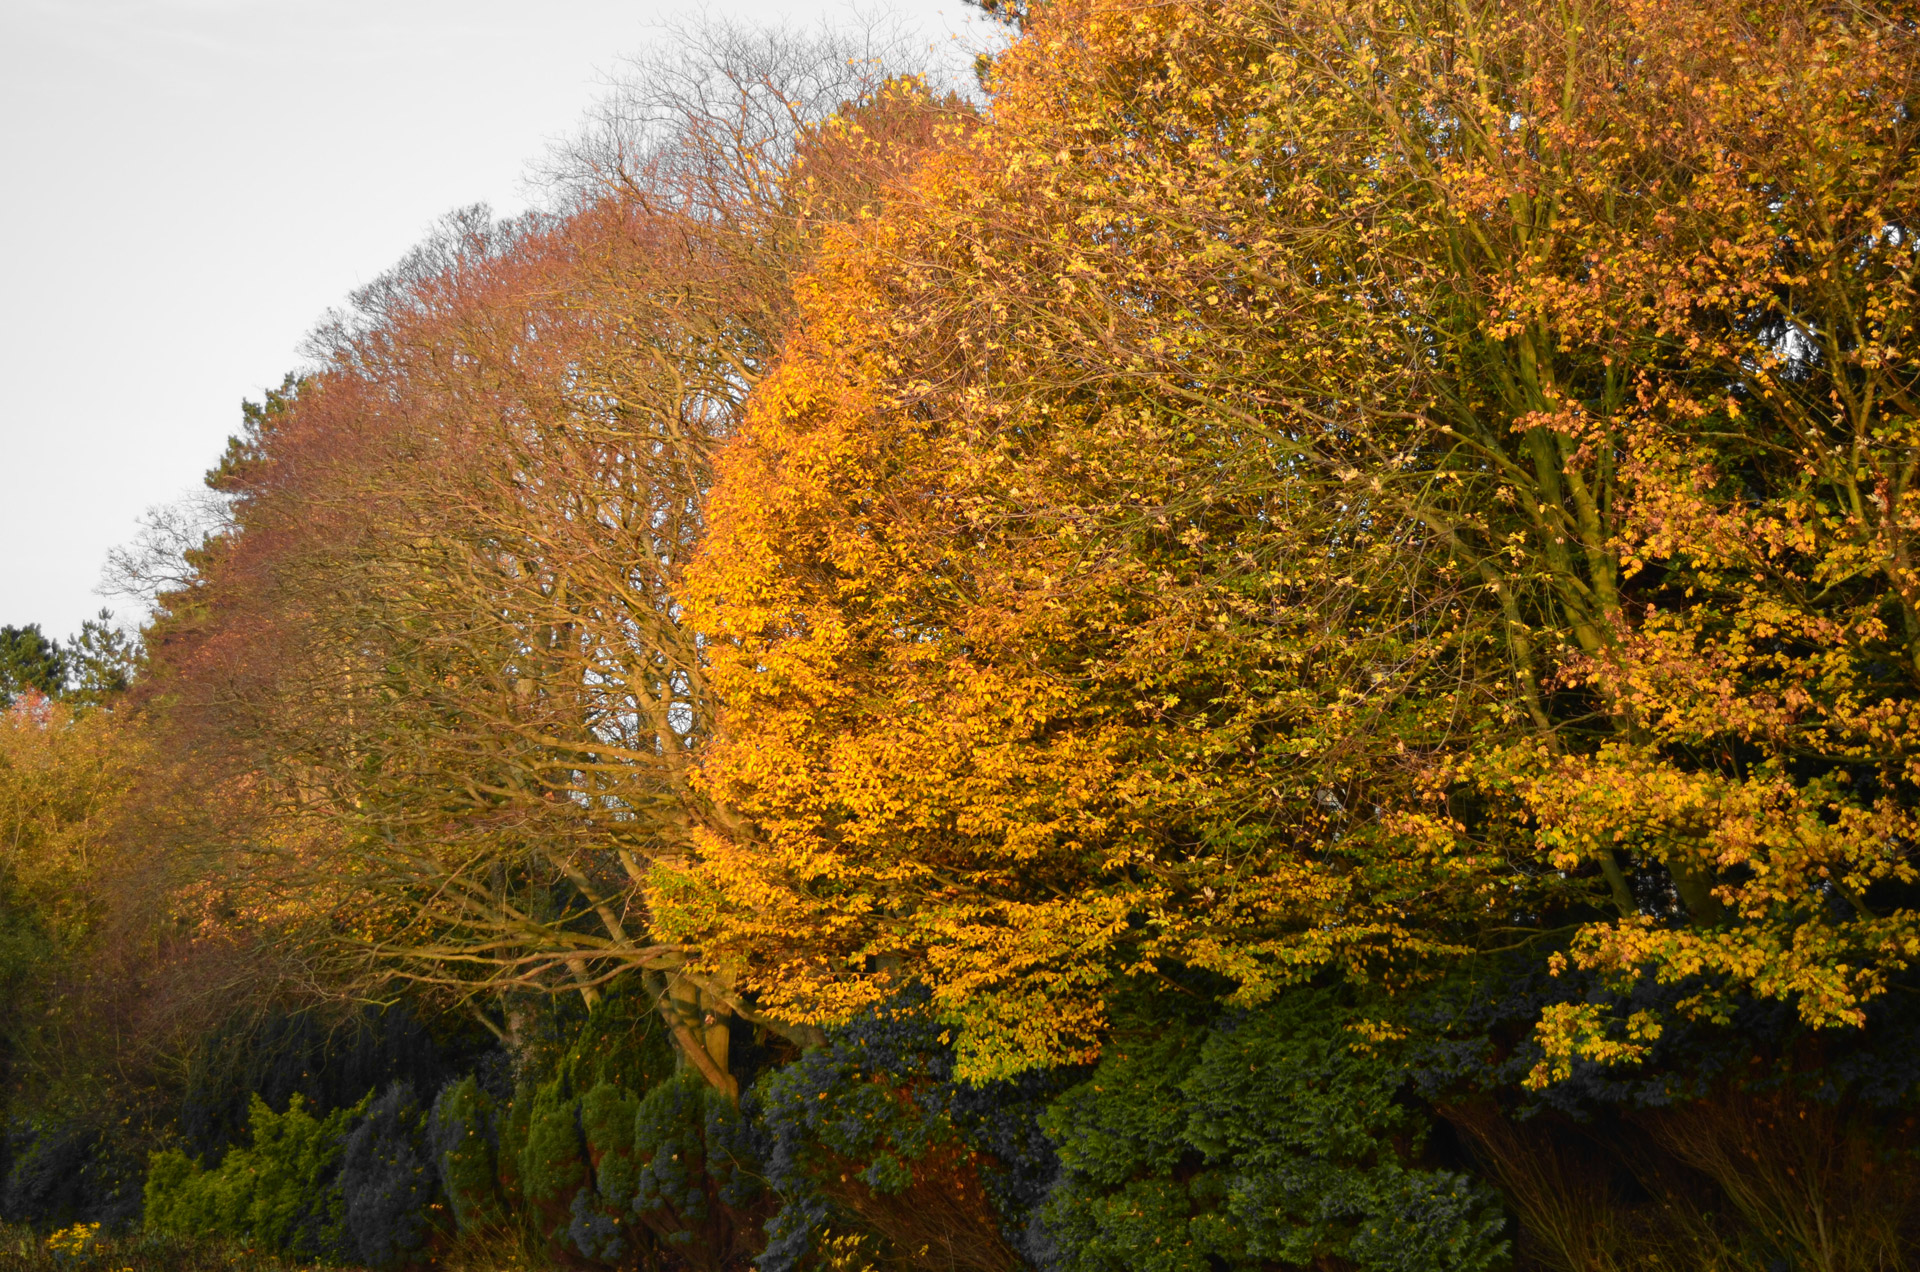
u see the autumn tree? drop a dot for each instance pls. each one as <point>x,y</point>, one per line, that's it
<point>1338,486</point>
<point>81,891</point>
<point>445,621</point>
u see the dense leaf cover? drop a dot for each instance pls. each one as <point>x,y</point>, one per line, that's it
<point>1286,639</point>
<point>1339,485</point>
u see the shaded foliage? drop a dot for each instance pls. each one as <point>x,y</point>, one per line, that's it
<point>328,1060</point>
<point>1272,1137</point>
<point>388,1186</point>
<point>873,1132</point>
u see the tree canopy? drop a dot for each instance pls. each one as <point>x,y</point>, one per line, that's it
<point>1333,485</point>
<point>1370,542</point>
<point>29,662</point>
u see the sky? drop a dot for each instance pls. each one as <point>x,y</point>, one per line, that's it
<point>186,186</point>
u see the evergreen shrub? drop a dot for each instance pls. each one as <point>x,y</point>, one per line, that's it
<point>871,1133</point>
<point>60,1172</point>
<point>564,1158</point>
<point>622,1043</point>
<point>463,1134</point>
<point>1274,1137</point>
<point>598,1227</point>
<point>695,1173</point>
<point>511,1151</point>
<point>611,1177</point>
<point>553,1164</point>
<point>388,1182</point>
<point>282,1191</point>
<point>330,1062</point>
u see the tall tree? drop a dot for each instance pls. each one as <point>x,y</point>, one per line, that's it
<point>101,660</point>
<point>444,627</point>
<point>29,662</point>
<point>1329,485</point>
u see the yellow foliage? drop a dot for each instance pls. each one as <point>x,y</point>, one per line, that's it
<point>1331,486</point>
<point>63,778</point>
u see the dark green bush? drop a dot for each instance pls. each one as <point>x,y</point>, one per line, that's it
<point>599,1226</point>
<point>611,1177</point>
<point>511,1150</point>
<point>623,1043</point>
<point>566,1161</point>
<point>553,1164</point>
<point>871,1133</point>
<point>464,1135</point>
<point>61,1171</point>
<point>329,1060</point>
<point>1271,1138</point>
<point>694,1173</point>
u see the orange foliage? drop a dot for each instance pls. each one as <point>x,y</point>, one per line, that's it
<point>1333,485</point>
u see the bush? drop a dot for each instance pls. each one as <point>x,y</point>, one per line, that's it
<point>282,1192</point>
<point>566,1157</point>
<point>511,1151</point>
<point>553,1161</point>
<point>463,1133</point>
<point>623,1043</point>
<point>872,1133</point>
<point>1269,1138</point>
<point>61,1172</point>
<point>330,1062</point>
<point>612,1176</point>
<point>388,1182</point>
<point>598,1226</point>
<point>694,1173</point>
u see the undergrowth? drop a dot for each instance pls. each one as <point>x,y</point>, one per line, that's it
<point>87,1248</point>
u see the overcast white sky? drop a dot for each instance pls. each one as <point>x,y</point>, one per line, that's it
<point>187,185</point>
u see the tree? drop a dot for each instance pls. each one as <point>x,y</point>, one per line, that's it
<point>29,662</point>
<point>64,780</point>
<point>442,633</point>
<point>101,661</point>
<point>1317,486</point>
